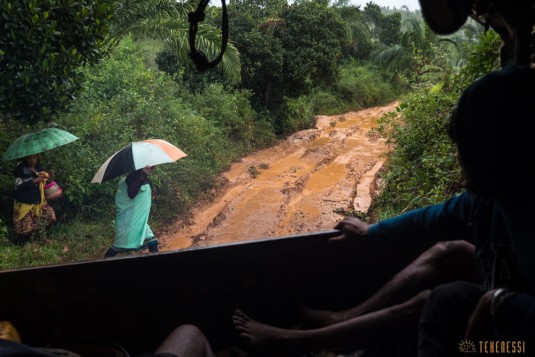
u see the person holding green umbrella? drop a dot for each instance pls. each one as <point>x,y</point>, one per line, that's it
<point>30,207</point>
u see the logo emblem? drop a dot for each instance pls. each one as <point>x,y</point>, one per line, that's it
<point>467,346</point>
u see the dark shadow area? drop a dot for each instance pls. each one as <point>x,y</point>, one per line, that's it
<point>136,301</point>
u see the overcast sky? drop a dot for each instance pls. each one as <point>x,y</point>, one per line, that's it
<point>411,4</point>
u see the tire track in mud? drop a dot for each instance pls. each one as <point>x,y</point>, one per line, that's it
<point>301,181</point>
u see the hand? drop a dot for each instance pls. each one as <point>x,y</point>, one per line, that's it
<point>480,324</point>
<point>351,227</point>
<point>38,180</point>
<point>148,169</point>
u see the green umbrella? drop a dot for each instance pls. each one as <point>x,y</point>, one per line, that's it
<point>35,143</point>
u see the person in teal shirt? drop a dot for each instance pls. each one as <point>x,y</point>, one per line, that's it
<point>133,202</point>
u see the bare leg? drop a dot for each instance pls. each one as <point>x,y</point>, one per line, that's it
<point>442,263</point>
<point>373,329</point>
<point>186,341</point>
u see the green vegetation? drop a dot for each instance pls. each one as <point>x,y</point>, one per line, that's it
<point>42,45</point>
<point>286,63</point>
<point>166,20</point>
<point>63,243</point>
<point>423,167</point>
<point>253,171</point>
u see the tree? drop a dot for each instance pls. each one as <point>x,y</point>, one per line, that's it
<point>43,43</point>
<point>166,20</point>
<point>313,39</point>
<point>420,54</point>
<point>288,52</point>
<point>390,31</point>
<point>385,28</point>
<point>359,43</point>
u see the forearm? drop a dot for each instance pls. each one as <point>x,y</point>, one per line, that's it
<point>425,225</point>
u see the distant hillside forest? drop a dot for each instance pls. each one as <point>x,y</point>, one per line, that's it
<point>112,72</point>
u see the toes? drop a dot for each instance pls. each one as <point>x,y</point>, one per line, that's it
<point>240,326</point>
<point>239,313</point>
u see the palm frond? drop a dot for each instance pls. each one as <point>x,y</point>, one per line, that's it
<point>395,58</point>
<point>175,35</point>
<point>166,20</point>
<point>130,13</point>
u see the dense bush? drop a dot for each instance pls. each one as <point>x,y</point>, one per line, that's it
<point>363,86</point>
<point>423,168</point>
<point>299,114</point>
<point>359,86</point>
<point>42,45</point>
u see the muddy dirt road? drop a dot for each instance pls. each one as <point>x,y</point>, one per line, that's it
<point>293,187</point>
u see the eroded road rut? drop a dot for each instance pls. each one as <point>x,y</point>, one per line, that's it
<point>300,183</point>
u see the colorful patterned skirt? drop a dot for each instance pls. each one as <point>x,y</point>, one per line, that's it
<point>28,218</point>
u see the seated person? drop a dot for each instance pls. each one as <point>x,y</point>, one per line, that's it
<point>492,214</point>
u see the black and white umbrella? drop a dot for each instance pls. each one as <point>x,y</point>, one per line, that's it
<point>138,155</point>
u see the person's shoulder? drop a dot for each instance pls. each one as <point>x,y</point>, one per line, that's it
<point>466,196</point>
<point>461,203</point>
<point>518,77</point>
<point>511,70</point>
<point>516,70</point>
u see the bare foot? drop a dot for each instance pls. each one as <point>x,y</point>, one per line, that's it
<point>268,340</point>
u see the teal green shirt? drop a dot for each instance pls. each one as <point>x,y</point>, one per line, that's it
<point>132,215</point>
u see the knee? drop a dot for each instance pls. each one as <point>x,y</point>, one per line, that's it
<point>458,248</point>
<point>191,331</point>
<point>185,340</point>
<point>450,256</point>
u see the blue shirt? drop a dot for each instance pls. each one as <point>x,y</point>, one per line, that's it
<point>485,223</point>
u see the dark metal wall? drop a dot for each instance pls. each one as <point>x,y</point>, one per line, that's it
<point>137,300</point>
